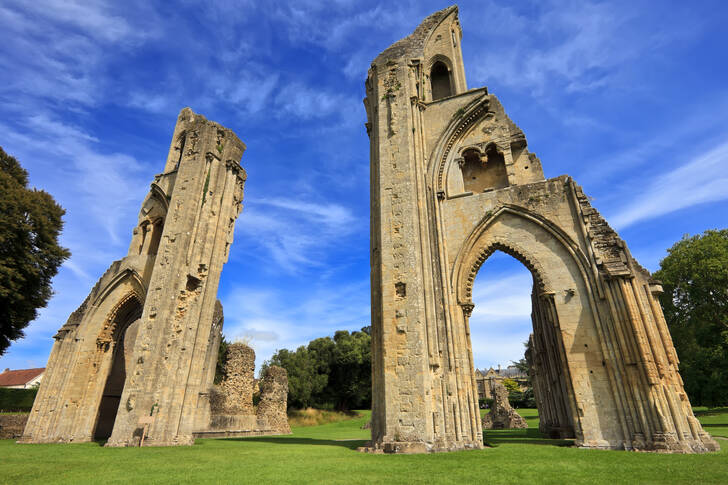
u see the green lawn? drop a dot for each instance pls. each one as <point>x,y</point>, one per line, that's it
<point>715,421</point>
<point>327,454</point>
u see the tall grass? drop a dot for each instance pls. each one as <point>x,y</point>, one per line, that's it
<point>317,417</point>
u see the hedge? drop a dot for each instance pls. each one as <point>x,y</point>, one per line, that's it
<point>13,400</point>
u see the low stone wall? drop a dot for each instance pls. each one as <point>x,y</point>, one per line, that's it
<point>12,425</point>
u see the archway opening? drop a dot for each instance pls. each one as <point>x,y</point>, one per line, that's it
<point>514,343</point>
<point>125,327</point>
<point>440,81</point>
<point>501,321</point>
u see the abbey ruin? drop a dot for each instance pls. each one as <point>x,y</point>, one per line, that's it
<point>452,181</point>
<point>141,350</point>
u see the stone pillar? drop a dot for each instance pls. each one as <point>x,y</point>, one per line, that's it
<point>213,349</point>
<point>178,312</point>
<point>273,404</point>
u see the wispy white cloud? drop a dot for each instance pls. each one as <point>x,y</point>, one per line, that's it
<point>309,102</point>
<point>572,46</point>
<point>703,179</point>
<point>501,319</point>
<point>277,318</point>
<point>57,50</point>
<point>296,233</point>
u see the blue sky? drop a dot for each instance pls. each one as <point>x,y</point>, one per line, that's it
<point>630,98</point>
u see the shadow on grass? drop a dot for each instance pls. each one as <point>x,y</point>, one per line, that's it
<point>715,425</point>
<point>280,440</point>
<point>530,436</point>
<point>711,412</point>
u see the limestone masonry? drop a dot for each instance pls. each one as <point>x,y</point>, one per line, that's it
<point>232,413</point>
<point>452,181</point>
<point>143,345</point>
<point>502,415</point>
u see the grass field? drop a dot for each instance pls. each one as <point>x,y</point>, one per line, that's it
<point>327,454</point>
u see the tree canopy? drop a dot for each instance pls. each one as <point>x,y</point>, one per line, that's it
<point>329,372</point>
<point>694,276</point>
<point>30,223</point>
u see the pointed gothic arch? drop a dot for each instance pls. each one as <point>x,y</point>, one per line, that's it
<point>607,370</point>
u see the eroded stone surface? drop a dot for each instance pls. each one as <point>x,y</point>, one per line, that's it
<point>452,181</point>
<point>144,340</point>
<point>502,415</point>
<point>274,399</point>
<point>237,385</point>
<point>231,403</point>
<point>12,425</point>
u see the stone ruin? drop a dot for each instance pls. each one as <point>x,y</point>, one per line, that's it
<point>140,351</point>
<point>232,413</point>
<point>236,388</point>
<point>502,415</point>
<point>274,399</point>
<point>452,181</point>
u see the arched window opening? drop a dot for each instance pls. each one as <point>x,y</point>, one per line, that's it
<point>181,148</point>
<point>155,237</point>
<point>125,327</point>
<point>484,171</point>
<point>440,80</point>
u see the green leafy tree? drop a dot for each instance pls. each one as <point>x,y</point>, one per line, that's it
<point>304,382</point>
<point>511,385</point>
<point>329,372</point>
<point>30,223</point>
<point>220,365</point>
<point>350,381</point>
<point>694,276</point>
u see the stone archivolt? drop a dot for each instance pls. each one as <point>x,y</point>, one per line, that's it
<point>453,181</point>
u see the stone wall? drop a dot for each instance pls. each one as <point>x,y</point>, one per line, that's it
<point>12,425</point>
<point>274,399</point>
<point>236,387</point>
<point>231,403</point>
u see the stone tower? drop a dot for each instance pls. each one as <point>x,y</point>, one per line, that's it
<point>145,341</point>
<point>452,181</point>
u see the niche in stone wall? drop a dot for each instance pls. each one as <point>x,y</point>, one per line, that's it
<point>483,171</point>
<point>440,81</point>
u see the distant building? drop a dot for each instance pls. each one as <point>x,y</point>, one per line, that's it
<point>482,379</point>
<point>21,378</point>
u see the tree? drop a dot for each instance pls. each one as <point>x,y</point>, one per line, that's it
<point>694,277</point>
<point>221,359</point>
<point>329,372</point>
<point>30,223</point>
